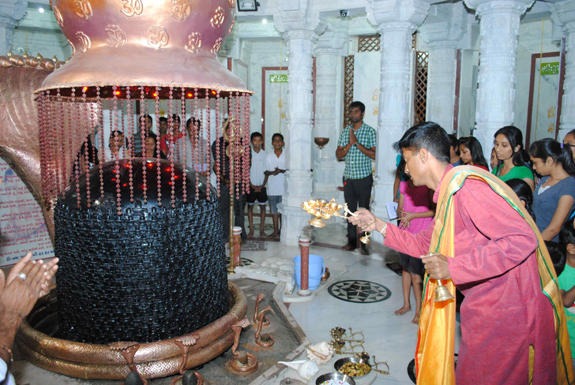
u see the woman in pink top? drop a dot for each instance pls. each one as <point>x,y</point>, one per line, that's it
<point>415,214</point>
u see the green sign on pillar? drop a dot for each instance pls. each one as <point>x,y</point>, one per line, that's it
<point>278,78</point>
<point>551,68</point>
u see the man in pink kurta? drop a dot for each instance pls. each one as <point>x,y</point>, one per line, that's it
<point>495,267</point>
<point>504,315</point>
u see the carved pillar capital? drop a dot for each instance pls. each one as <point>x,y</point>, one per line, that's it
<point>394,14</point>
<point>484,7</point>
<point>299,21</point>
<point>445,26</point>
<point>332,42</point>
<point>564,12</point>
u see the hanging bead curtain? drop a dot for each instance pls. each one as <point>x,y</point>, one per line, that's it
<point>75,139</point>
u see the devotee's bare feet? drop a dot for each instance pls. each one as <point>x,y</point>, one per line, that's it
<point>251,234</point>
<point>415,319</point>
<point>402,310</point>
<point>262,233</point>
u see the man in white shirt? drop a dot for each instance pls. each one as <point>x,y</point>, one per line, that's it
<point>275,180</point>
<point>258,192</point>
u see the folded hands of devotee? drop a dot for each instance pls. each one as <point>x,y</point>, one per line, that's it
<point>26,282</point>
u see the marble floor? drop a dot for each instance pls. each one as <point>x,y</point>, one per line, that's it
<point>389,337</point>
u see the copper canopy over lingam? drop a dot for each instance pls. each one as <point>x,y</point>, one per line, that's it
<point>145,43</point>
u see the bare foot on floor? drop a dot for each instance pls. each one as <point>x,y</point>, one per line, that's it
<point>415,319</point>
<point>402,310</point>
<point>250,235</point>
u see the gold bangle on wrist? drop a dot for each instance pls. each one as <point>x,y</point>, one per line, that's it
<point>383,229</point>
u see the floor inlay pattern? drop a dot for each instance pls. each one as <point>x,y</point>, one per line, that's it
<point>359,291</point>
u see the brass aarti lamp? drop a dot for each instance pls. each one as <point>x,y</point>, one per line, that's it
<point>323,210</point>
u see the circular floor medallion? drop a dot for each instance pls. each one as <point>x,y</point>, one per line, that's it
<point>359,291</point>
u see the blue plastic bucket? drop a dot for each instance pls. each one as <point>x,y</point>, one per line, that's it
<point>316,270</point>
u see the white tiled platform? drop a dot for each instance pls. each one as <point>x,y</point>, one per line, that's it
<point>389,337</point>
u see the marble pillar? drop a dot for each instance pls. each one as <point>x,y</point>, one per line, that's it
<point>499,27</point>
<point>329,52</point>
<point>299,134</point>
<point>565,13</point>
<point>442,35</point>
<point>11,11</point>
<point>441,78</point>
<point>396,21</point>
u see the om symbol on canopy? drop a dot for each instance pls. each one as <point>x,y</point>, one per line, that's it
<point>116,37</point>
<point>132,7</point>
<point>218,17</point>
<point>158,36</point>
<point>181,9</point>
<point>82,8</point>
<point>194,42</point>
<point>217,45</point>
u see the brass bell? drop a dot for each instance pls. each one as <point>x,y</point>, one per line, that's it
<point>442,293</point>
<point>365,239</point>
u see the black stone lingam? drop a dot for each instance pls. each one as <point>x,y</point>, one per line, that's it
<point>154,269</point>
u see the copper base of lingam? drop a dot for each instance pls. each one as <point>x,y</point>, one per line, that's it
<point>151,360</point>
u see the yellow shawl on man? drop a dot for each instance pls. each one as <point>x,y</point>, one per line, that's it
<point>436,339</point>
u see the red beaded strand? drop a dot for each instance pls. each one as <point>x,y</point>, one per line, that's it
<point>143,141</point>
<point>45,147</point>
<point>247,149</point>
<point>158,165</point>
<point>76,137</point>
<point>208,150</point>
<point>130,136</point>
<point>87,110</point>
<point>237,134</point>
<point>114,116</point>
<point>101,131</point>
<point>172,148</point>
<point>183,146</point>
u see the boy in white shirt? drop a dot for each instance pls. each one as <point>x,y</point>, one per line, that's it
<point>275,180</point>
<point>257,179</point>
